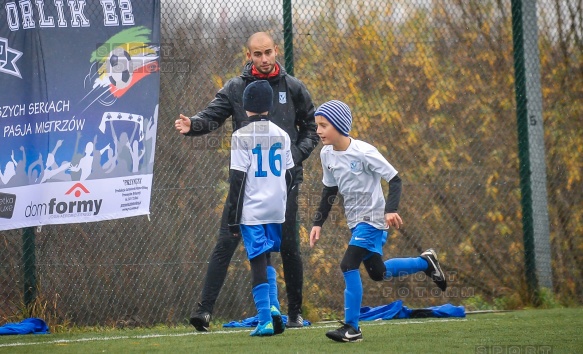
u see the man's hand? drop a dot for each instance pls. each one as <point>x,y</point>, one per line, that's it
<point>182,124</point>
<point>315,235</point>
<point>393,219</point>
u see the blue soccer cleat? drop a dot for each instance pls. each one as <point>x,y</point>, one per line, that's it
<point>263,330</point>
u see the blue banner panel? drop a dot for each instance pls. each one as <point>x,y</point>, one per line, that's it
<point>80,84</point>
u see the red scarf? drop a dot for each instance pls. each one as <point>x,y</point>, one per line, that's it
<point>259,75</point>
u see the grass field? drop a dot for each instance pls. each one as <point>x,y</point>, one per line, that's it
<point>527,331</point>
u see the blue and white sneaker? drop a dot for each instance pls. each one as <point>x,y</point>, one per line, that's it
<point>265,329</point>
<point>278,326</point>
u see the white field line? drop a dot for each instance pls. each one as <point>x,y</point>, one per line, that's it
<point>247,330</point>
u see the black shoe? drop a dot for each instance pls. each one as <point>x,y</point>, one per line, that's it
<point>200,319</point>
<point>346,333</point>
<point>434,269</point>
<point>294,322</point>
<point>278,326</point>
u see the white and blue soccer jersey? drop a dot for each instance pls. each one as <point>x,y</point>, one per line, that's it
<point>263,151</point>
<point>357,172</point>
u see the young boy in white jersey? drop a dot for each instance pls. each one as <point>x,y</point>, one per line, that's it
<point>260,158</point>
<point>354,168</point>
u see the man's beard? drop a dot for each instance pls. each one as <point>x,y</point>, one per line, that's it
<point>269,70</point>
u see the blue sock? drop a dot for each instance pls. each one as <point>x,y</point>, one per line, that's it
<point>352,297</point>
<point>272,280</point>
<point>404,266</point>
<point>261,297</point>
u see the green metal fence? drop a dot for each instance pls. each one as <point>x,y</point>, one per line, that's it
<point>430,83</point>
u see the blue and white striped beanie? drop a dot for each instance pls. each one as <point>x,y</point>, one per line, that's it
<point>338,114</point>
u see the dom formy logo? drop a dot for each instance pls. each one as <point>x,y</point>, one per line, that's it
<point>72,207</point>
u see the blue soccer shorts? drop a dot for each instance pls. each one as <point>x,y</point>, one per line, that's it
<point>369,237</point>
<point>259,239</point>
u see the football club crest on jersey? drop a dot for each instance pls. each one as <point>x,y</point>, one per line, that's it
<point>282,97</point>
<point>356,166</point>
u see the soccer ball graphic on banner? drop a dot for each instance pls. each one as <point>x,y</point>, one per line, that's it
<point>119,68</point>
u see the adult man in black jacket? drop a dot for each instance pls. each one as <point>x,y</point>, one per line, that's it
<point>293,111</point>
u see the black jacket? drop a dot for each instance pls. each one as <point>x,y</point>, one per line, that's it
<point>293,111</point>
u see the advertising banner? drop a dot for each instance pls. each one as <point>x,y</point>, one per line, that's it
<point>79,91</point>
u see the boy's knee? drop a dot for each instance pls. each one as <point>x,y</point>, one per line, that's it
<point>376,276</point>
<point>347,265</point>
<point>351,260</point>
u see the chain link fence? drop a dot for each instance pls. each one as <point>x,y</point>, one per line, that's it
<point>430,83</point>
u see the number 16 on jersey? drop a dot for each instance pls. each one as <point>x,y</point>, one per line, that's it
<point>274,158</point>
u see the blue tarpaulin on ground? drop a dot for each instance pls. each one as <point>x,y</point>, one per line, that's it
<point>394,310</point>
<point>26,326</point>
<point>254,321</point>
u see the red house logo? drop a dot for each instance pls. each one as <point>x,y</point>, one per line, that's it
<point>77,189</point>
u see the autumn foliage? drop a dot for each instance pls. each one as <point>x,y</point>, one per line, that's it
<point>430,83</point>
